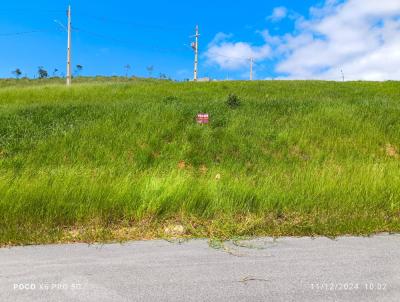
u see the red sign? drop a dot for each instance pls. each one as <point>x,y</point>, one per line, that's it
<point>202,118</point>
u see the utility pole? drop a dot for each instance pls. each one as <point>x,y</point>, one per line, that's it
<point>195,47</point>
<point>342,74</point>
<point>251,68</point>
<point>69,47</point>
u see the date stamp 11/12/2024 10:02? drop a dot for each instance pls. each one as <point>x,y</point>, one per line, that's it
<point>348,286</point>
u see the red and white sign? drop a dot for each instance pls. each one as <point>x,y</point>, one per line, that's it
<point>202,118</point>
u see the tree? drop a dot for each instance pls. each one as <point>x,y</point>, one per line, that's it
<point>17,72</point>
<point>43,74</point>
<point>163,76</point>
<point>55,72</point>
<point>150,70</point>
<point>127,69</point>
<point>78,69</point>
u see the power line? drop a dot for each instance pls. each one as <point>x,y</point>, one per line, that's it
<point>20,33</point>
<point>228,57</point>
<point>99,35</point>
<point>107,37</point>
<point>134,24</point>
<point>29,11</point>
<point>126,42</point>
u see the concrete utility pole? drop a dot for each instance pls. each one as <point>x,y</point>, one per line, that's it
<point>195,46</point>
<point>251,68</point>
<point>69,47</point>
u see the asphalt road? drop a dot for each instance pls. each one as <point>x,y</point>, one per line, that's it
<point>288,269</point>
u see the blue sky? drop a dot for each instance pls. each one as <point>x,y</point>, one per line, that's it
<point>288,39</point>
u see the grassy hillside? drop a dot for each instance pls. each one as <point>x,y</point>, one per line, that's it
<point>124,158</point>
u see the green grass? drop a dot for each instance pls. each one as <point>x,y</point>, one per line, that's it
<point>120,159</point>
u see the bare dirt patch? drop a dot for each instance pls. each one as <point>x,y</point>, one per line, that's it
<point>391,151</point>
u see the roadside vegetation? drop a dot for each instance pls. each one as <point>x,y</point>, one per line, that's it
<point>118,159</point>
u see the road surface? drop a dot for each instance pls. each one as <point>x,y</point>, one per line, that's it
<point>286,269</point>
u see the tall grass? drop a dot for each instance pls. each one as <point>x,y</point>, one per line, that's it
<point>294,158</point>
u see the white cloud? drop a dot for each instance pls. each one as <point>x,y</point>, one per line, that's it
<point>362,37</point>
<point>278,14</point>
<point>220,37</point>
<point>234,55</point>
